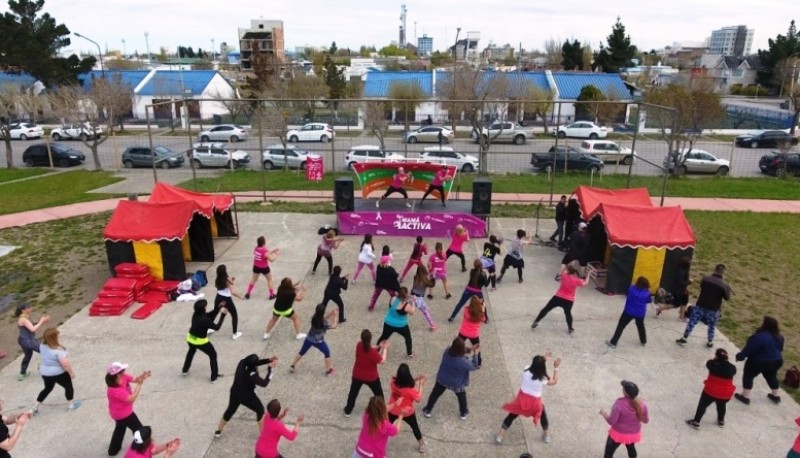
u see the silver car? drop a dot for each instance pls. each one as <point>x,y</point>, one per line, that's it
<point>224,133</point>
<point>446,155</point>
<point>429,134</point>
<point>215,155</point>
<point>699,161</point>
<point>276,157</point>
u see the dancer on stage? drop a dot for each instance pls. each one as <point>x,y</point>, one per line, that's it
<point>262,256</point>
<point>437,184</point>
<point>399,181</point>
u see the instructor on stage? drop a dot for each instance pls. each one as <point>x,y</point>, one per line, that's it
<point>398,185</point>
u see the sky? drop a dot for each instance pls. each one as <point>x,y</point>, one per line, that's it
<point>352,23</point>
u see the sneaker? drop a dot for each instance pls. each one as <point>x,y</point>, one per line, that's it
<point>313,271</point>
<point>330,372</point>
<point>721,423</point>
<point>498,439</point>
<point>463,269</point>
<point>370,309</point>
<point>425,413</point>
<point>557,277</point>
<point>681,341</point>
<point>184,374</point>
<point>408,205</point>
<point>610,345</point>
<point>520,280</point>
<point>292,369</point>
<point>546,437</point>
<point>300,336</point>
<point>422,448</point>
<point>421,203</point>
<point>499,280</point>
<point>236,335</point>
<point>450,320</point>
<point>644,344</point>
<point>464,415</point>
<point>272,296</point>
<point>346,415</point>
<point>534,325</point>
<point>353,282</point>
<point>343,320</point>
<point>434,327</point>
<point>247,296</point>
<point>693,424</point>
<point>448,296</point>
<point>710,344</point>
<point>411,356</point>
<point>34,411</point>
<point>211,331</point>
<point>444,204</point>
<point>742,399</point>
<point>773,398</point>
<point>571,331</point>
<point>23,376</point>
<point>266,336</point>
<point>217,433</point>
<point>492,289</point>
<point>377,204</point>
<point>74,405</point>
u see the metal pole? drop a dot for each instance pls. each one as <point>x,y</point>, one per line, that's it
<point>150,141</point>
<point>671,144</point>
<point>261,150</point>
<point>633,144</point>
<point>99,52</point>
<point>147,44</point>
<point>191,146</point>
<point>555,156</point>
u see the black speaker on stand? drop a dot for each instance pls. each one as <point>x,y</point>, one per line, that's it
<point>344,194</point>
<point>481,196</point>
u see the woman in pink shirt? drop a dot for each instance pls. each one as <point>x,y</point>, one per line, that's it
<point>420,249</point>
<point>376,429</point>
<point>398,185</point>
<point>144,447</point>
<point>460,235</point>
<point>565,296</point>
<point>262,256</point>
<point>474,317</point>
<point>437,184</point>
<point>437,266</point>
<point>626,418</point>
<point>120,402</point>
<point>407,391</point>
<point>794,452</point>
<point>274,429</point>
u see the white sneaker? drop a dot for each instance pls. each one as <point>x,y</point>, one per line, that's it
<point>265,336</point>
<point>237,335</point>
<point>211,331</point>
<point>377,204</point>
<point>300,336</point>
<point>408,205</point>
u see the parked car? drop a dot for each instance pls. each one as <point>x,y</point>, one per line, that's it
<point>608,151</point>
<point>311,132</point>
<point>224,133</point>
<point>216,155</point>
<point>429,134</point>
<point>24,131</point>
<point>765,139</point>
<point>276,157</point>
<point>699,161</point>
<point>556,157</point>
<point>63,155</point>
<point>772,164</point>
<point>505,132</point>
<point>369,153</point>
<point>582,129</point>
<point>446,155</point>
<point>142,156</point>
<point>80,131</point>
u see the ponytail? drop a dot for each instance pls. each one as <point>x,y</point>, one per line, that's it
<point>637,407</point>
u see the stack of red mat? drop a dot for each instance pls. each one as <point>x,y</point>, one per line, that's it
<point>115,297</point>
<point>133,283</point>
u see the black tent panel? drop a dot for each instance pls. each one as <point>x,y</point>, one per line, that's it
<point>670,261</point>
<point>598,239</point>
<point>119,252</point>
<point>201,245</point>
<point>172,258</point>
<point>620,269</point>
<point>225,225</point>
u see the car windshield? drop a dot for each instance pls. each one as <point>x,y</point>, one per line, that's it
<point>163,151</point>
<point>60,149</point>
<point>753,133</point>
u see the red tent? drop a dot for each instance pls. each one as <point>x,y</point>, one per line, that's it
<point>149,222</point>
<point>163,192</point>
<point>639,226</point>
<point>590,198</point>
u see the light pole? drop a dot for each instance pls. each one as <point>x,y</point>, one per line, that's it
<point>124,49</point>
<point>455,46</point>
<point>213,51</point>
<point>147,44</point>
<point>99,52</point>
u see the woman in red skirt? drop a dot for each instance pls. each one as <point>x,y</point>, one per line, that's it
<point>528,402</point>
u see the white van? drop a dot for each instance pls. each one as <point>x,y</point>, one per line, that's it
<point>369,153</point>
<point>607,151</point>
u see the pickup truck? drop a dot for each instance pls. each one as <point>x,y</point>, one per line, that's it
<point>80,131</point>
<point>575,159</point>
<point>505,132</point>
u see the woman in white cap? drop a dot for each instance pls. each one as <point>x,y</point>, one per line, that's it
<point>626,418</point>
<point>120,402</point>
<point>144,447</point>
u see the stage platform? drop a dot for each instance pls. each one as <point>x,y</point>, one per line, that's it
<point>393,218</point>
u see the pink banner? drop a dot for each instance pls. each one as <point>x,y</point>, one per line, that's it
<point>409,224</point>
<point>315,168</point>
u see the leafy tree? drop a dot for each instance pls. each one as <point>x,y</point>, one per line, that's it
<point>334,79</point>
<point>783,47</point>
<point>788,74</point>
<point>589,108</point>
<point>395,51</point>
<point>10,96</point>
<point>440,59</point>
<point>572,55</point>
<point>30,42</point>
<point>408,94</point>
<point>537,101</point>
<point>618,53</point>
<point>309,88</point>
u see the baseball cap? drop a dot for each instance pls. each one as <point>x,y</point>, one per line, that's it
<point>116,367</point>
<point>630,389</point>
<point>582,226</point>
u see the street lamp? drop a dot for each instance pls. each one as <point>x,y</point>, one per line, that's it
<point>213,51</point>
<point>99,52</point>
<point>147,44</point>
<point>124,49</point>
<point>455,46</point>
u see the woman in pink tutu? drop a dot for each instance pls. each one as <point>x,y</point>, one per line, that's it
<point>626,418</point>
<point>528,402</point>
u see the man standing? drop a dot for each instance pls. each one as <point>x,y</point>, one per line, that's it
<point>561,218</point>
<point>398,185</point>
<point>713,290</point>
<point>437,184</point>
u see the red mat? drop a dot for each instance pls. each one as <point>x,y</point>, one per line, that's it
<point>146,310</point>
<point>120,283</point>
<point>129,268</point>
<point>164,285</point>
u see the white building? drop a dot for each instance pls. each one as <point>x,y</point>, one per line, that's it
<point>731,41</point>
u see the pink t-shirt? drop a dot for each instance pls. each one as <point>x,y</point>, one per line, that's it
<point>796,446</point>
<point>470,328</point>
<point>567,287</point>
<point>457,242</point>
<point>131,453</point>
<point>399,180</point>
<point>261,257</point>
<point>374,446</point>
<point>439,178</point>
<point>118,405</point>
<point>438,264</point>
<point>274,429</point>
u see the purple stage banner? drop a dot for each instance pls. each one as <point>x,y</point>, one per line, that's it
<point>409,224</point>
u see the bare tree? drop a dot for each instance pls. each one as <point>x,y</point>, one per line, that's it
<point>376,121</point>
<point>552,50</point>
<point>538,101</point>
<point>311,89</point>
<point>73,104</point>
<point>234,106</point>
<point>407,95</point>
<point>114,100</point>
<point>10,96</point>
<point>277,112</point>
<point>788,74</point>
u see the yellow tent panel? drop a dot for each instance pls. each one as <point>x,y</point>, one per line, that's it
<point>187,249</point>
<point>649,264</point>
<point>214,228</point>
<point>150,254</point>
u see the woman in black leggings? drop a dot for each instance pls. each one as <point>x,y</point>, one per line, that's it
<point>56,369</point>
<point>198,336</point>
<point>764,355</point>
<point>365,369</point>
<point>333,291</point>
<point>243,390</point>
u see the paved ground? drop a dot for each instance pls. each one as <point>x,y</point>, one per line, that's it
<point>670,376</point>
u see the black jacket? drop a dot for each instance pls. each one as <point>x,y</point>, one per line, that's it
<point>713,290</point>
<point>202,322</point>
<point>335,285</point>
<point>386,277</point>
<point>561,212</point>
<point>245,382</point>
<point>579,246</point>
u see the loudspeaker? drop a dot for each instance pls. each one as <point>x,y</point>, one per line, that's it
<point>343,194</point>
<point>481,196</point>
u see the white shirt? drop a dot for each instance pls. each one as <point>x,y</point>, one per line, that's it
<point>226,292</point>
<point>367,254</point>
<point>530,386</point>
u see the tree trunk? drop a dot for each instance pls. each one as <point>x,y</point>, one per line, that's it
<point>795,119</point>
<point>9,150</point>
<point>95,156</point>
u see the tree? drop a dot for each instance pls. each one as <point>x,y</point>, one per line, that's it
<point>572,55</point>
<point>773,59</point>
<point>30,42</point>
<point>539,102</point>
<point>266,75</point>
<point>408,95</point>
<point>73,104</point>
<point>334,79</point>
<point>619,52</point>
<point>590,97</point>
<point>310,88</point>
<point>10,97</point>
<point>440,59</point>
<point>552,50</point>
<point>376,120</point>
<point>789,70</point>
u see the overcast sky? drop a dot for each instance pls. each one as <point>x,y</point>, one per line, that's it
<point>352,23</point>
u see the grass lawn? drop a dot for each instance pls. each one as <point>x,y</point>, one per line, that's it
<point>53,190</point>
<point>7,175</point>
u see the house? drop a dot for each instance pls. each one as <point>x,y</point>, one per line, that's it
<point>165,85</point>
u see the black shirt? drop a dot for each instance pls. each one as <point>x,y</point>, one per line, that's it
<point>561,212</point>
<point>202,322</point>
<point>3,436</point>
<point>386,277</point>
<point>680,281</point>
<point>335,285</point>
<point>284,302</point>
<point>246,382</point>
<point>721,369</point>
<point>713,290</point>
<point>490,250</point>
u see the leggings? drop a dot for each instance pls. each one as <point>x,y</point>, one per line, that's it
<point>218,300</point>
<point>512,416</point>
<point>460,256</point>
<point>411,262</point>
<point>700,314</point>
<point>321,346</point>
<point>411,421</point>
<point>405,331</point>
<point>422,306</point>
<point>130,422</point>
<point>624,320</point>
<point>50,381</point>
<point>376,294</point>
<point>393,190</point>
<point>26,360</point>
<point>556,301</point>
<point>769,369</point>
<point>705,401</point>
<point>465,296</point>
<point>206,348</point>
<point>370,266</point>
<point>249,400</point>
<point>438,390</point>
<point>355,387</point>
<point>337,299</point>
<point>611,448</point>
<point>432,188</point>
<point>328,258</point>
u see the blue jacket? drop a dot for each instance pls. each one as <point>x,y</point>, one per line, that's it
<point>762,346</point>
<point>454,370</point>
<point>636,302</point>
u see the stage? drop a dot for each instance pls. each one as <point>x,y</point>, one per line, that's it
<point>393,218</point>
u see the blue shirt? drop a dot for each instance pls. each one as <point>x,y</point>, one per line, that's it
<point>49,364</point>
<point>636,302</point>
<point>393,318</point>
<point>762,346</point>
<point>454,371</point>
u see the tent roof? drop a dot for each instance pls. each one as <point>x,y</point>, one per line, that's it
<point>590,198</point>
<point>134,221</point>
<point>639,226</point>
<point>164,193</point>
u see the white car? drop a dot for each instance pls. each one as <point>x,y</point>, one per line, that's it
<point>699,161</point>
<point>24,131</point>
<point>276,157</point>
<point>369,153</point>
<point>582,129</point>
<point>224,133</point>
<point>215,155</point>
<point>312,132</point>
<point>608,151</point>
<point>446,155</point>
<point>81,131</point>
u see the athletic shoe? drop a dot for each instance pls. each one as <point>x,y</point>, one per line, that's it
<point>353,282</point>
<point>448,296</point>
<point>571,331</point>
<point>546,437</point>
<point>492,289</point>
<point>211,331</point>
<point>433,327</point>
<point>272,296</point>
<point>520,280</point>
<point>644,344</point>
<point>710,344</point>
<point>291,369</point>
<point>426,413</point>
<point>534,325</point>
<point>498,439</point>
<point>464,416</point>
<point>300,336</point>
<point>23,376</point>
<point>773,398</point>
<point>74,405</point>
<point>681,341</point>
<point>236,335</point>
<point>184,374</point>
<point>346,415</point>
<point>721,423</point>
<point>377,204</point>
<point>610,345</point>
<point>463,269</point>
<point>411,356</point>
<point>430,296</point>
<point>342,321</point>
<point>247,296</point>
<point>450,320</point>
<point>422,448</point>
<point>265,336</point>
<point>742,399</point>
<point>217,433</point>
<point>34,411</point>
<point>444,204</point>
<point>369,309</point>
<point>330,372</point>
<point>693,424</point>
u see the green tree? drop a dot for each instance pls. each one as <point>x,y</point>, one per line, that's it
<point>310,88</point>
<point>780,49</point>
<point>572,55</point>
<point>618,53</point>
<point>407,94</point>
<point>441,59</point>
<point>334,79</point>
<point>30,42</point>
<point>589,108</point>
<point>395,51</point>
